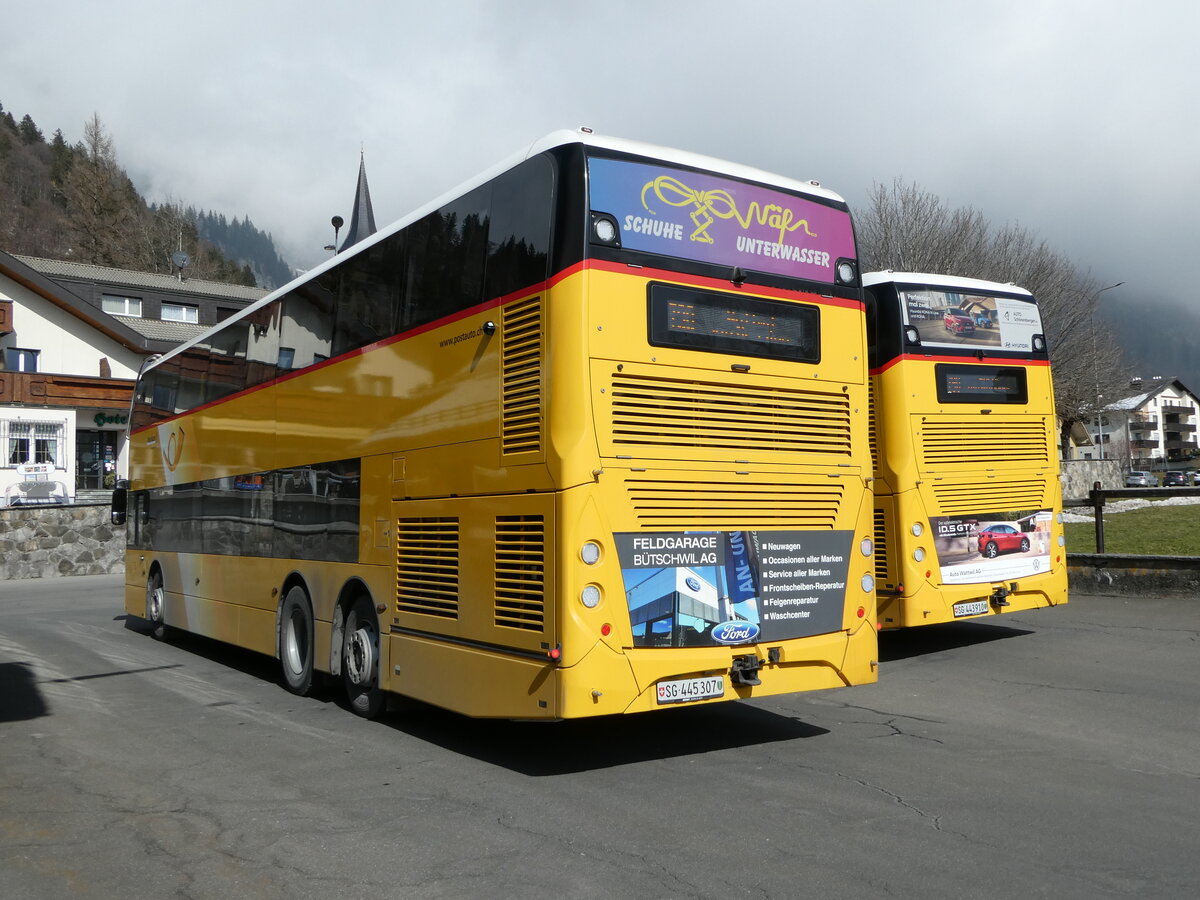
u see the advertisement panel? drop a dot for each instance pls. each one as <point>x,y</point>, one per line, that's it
<point>956,319</point>
<point>709,588</point>
<point>992,547</point>
<point>706,218</point>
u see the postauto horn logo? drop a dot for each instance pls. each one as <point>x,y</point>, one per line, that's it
<point>735,632</point>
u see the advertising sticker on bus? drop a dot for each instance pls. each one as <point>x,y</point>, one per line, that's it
<point>956,319</point>
<point>702,589</point>
<point>992,547</point>
<point>690,215</point>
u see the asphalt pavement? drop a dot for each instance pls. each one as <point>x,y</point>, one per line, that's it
<point>1053,753</point>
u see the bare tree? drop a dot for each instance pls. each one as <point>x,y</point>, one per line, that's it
<point>102,203</point>
<point>905,228</point>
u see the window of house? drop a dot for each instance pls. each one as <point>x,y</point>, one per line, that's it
<point>33,442</point>
<point>287,357</point>
<point>179,312</point>
<point>18,360</point>
<point>117,305</point>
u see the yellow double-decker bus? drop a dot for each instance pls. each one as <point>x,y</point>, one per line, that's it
<point>585,436</point>
<point>968,502</point>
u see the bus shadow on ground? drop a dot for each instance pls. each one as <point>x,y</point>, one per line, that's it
<point>927,639</point>
<point>20,697</point>
<point>540,749</point>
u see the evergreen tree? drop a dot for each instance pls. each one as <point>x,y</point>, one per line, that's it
<point>30,133</point>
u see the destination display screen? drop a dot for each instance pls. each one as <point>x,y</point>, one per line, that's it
<point>725,323</point>
<point>980,384</point>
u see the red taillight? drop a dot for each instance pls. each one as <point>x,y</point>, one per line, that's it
<point>606,629</point>
<point>555,654</point>
<point>861,612</point>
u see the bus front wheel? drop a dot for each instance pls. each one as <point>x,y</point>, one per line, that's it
<point>156,600</point>
<point>360,660</point>
<point>296,642</point>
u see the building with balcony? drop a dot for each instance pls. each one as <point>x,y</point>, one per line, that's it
<point>72,339</point>
<point>1151,428</point>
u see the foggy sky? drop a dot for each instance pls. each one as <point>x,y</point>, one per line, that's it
<point>1076,120</point>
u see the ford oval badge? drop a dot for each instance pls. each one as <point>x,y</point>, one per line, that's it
<point>693,582</point>
<point>735,632</point>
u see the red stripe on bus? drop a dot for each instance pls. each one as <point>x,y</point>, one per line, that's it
<point>973,360</point>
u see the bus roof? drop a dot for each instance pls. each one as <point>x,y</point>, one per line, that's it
<point>870,279</point>
<point>558,138</point>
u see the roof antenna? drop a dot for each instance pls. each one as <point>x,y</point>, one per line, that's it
<point>181,261</point>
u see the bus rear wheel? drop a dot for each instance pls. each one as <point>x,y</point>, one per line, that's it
<point>360,660</point>
<point>296,642</point>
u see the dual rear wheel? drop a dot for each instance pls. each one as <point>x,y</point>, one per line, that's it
<point>359,652</point>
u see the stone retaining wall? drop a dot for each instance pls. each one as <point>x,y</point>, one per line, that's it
<point>44,541</point>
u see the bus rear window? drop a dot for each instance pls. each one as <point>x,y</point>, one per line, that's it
<point>692,319</point>
<point>981,384</point>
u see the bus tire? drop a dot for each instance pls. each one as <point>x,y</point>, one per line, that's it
<point>156,607</point>
<point>360,660</point>
<point>296,642</point>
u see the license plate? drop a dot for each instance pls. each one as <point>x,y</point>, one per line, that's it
<point>970,608</point>
<point>684,690</point>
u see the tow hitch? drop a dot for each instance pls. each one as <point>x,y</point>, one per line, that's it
<point>999,594</point>
<point>745,669</point>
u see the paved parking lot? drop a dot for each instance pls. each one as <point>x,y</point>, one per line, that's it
<point>1054,753</point>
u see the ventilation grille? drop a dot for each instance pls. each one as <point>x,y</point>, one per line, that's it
<point>652,411</point>
<point>521,572</point>
<point>521,377</point>
<point>427,567</point>
<point>978,444</point>
<point>882,562</point>
<point>659,503</point>
<point>991,497</point>
<point>872,426</point>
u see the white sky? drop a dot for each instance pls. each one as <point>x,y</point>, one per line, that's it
<point>1078,119</point>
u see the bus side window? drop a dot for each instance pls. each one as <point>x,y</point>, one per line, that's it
<point>368,297</point>
<point>519,233</point>
<point>445,260</point>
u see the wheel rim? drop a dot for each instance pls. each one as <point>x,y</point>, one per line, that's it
<point>154,603</point>
<point>360,652</point>
<point>295,644</point>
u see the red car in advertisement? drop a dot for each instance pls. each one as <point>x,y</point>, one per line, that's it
<point>1001,538</point>
<point>958,322</point>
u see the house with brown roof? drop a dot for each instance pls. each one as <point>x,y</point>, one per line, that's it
<point>72,340</point>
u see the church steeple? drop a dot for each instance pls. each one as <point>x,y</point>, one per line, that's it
<point>362,219</point>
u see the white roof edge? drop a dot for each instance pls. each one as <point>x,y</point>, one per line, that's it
<point>549,141</point>
<point>681,157</point>
<point>978,284</point>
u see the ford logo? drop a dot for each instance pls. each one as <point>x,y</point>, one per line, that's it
<point>735,632</point>
<point>692,582</point>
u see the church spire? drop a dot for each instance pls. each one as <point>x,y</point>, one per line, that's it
<point>362,219</point>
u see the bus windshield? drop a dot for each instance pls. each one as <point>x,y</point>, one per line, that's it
<point>948,318</point>
<point>701,217</point>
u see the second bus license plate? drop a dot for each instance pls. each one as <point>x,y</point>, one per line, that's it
<point>970,608</point>
<point>683,690</point>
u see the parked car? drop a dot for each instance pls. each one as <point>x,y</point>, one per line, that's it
<point>958,322</point>
<point>1175,479</point>
<point>983,320</point>
<point>1140,479</point>
<point>1001,538</point>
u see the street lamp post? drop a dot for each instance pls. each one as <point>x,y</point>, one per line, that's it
<point>1096,367</point>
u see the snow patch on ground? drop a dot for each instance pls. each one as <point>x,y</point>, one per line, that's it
<point>1080,515</point>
